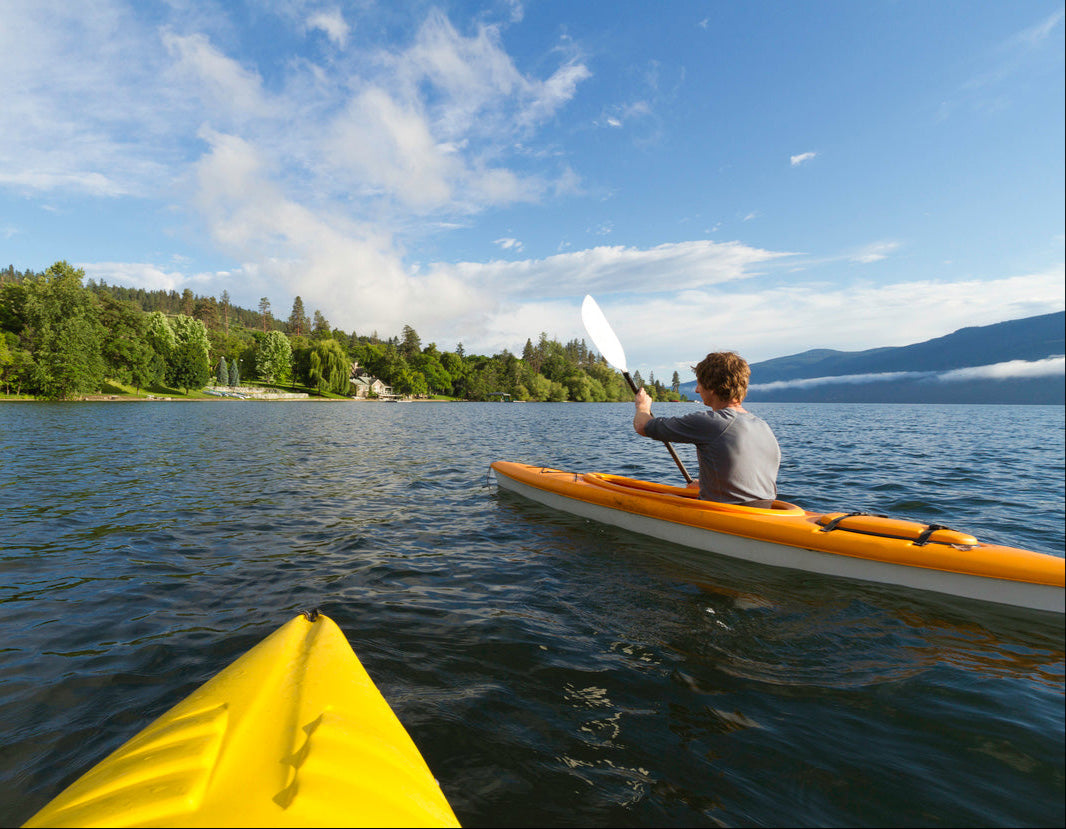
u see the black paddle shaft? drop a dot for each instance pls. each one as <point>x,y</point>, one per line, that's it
<point>669,448</point>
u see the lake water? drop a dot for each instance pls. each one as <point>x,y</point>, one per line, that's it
<point>553,672</point>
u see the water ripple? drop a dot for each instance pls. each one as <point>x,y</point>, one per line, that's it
<point>553,672</point>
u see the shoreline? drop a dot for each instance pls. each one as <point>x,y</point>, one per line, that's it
<point>251,398</point>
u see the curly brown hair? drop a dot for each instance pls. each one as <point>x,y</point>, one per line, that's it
<point>725,373</point>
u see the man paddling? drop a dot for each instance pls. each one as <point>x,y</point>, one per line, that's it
<point>738,454</point>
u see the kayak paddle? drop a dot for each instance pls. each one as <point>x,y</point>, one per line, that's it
<point>606,342</point>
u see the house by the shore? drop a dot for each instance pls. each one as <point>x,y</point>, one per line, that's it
<point>364,386</point>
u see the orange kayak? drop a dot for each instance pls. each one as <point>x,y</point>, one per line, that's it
<point>859,546</point>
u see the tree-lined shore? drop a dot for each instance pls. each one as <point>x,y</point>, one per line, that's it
<point>62,338</point>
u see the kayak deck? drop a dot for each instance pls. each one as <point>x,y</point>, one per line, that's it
<point>293,733</point>
<point>867,547</point>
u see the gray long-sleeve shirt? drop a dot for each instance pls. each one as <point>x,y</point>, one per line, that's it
<point>738,454</point>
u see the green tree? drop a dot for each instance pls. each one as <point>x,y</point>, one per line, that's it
<point>234,373</point>
<point>428,363</point>
<point>454,367</point>
<point>66,335</point>
<point>539,387</point>
<point>273,357</point>
<point>189,365</point>
<point>128,356</point>
<point>557,392</point>
<point>222,377</point>
<point>7,357</point>
<point>160,335</point>
<point>13,306</point>
<point>17,368</point>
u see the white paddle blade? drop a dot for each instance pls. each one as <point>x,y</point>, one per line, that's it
<point>602,335</point>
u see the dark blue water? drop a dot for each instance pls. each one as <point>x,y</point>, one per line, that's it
<point>552,671</point>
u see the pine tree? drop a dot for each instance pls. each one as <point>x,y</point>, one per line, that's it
<point>298,318</point>
<point>234,373</point>
<point>412,343</point>
<point>223,372</point>
<point>320,331</point>
<point>264,312</point>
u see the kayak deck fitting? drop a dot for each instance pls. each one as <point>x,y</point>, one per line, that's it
<point>293,733</point>
<point>866,547</point>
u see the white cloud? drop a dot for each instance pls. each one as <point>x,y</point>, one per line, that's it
<point>617,116</point>
<point>84,113</point>
<point>1010,370</point>
<point>874,252</point>
<point>477,89</point>
<point>68,181</point>
<point>802,158</point>
<point>383,145</point>
<point>616,269</point>
<point>144,275</point>
<point>841,379</point>
<point>228,89</point>
<point>332,23</point>
<point>508,243</point>
<point>350,270</point>
<point>1038,33</point>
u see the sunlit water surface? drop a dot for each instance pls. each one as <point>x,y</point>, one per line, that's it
<point>553,672</point>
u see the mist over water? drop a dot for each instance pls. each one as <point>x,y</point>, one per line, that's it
<point>552,671</point>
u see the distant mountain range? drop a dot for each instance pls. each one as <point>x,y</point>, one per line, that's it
<point>1015,362</point>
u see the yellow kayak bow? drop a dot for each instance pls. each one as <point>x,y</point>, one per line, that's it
<point>293,733</point>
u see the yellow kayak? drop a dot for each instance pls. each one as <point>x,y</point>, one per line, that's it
<point>293,733</point>
<point>870,548</point>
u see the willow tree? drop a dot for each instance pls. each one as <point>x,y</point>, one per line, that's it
<point>329,367</point>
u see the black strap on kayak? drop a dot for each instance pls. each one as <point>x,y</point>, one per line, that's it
<point>923,539</point>
<point>311,615</point>
<point>832,525</point>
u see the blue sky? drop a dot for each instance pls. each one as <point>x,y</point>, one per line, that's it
<point>761,176</point>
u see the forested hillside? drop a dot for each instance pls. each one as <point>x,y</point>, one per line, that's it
<point>60,339</point>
